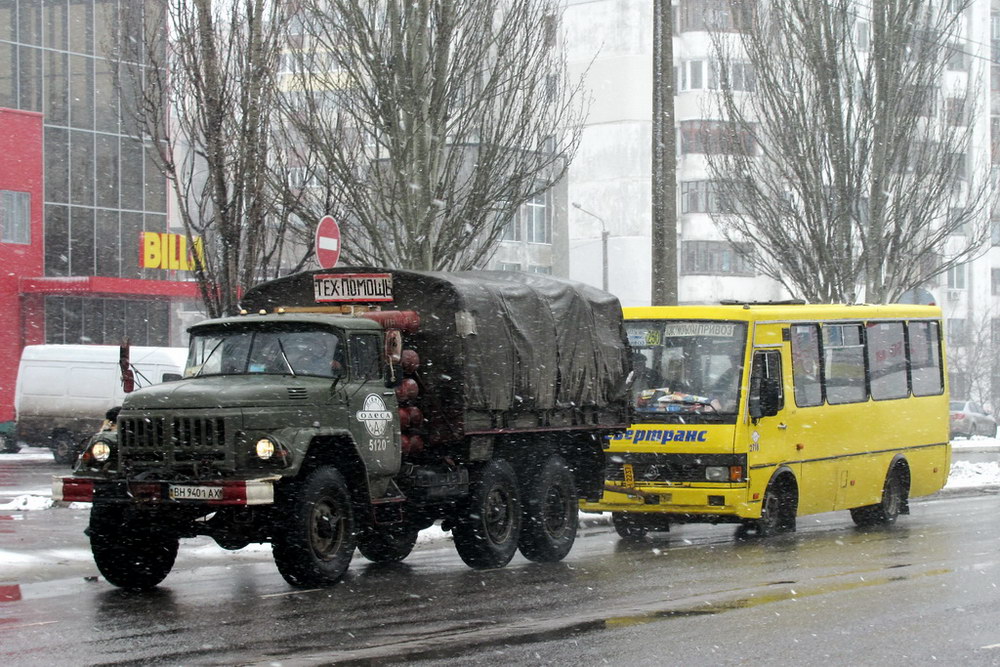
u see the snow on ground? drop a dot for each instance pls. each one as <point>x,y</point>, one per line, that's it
<point>28,454</point>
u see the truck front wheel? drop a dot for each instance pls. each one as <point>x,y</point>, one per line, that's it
<point>315,543</point>
<point>128,553</point>
<point>486,535</point>
<point>551,512</point>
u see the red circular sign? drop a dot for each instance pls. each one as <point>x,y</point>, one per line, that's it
<point>327,242</point>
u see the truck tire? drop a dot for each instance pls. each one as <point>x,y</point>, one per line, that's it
<point>316,539</point>
<point>551,512</point>
<point>486,535</point>
<point>129,554</point>
<point>388,544</point>
<point>64,449</point>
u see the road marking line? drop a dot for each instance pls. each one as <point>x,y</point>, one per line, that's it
<point>278,595</point>
<point>990,646</point>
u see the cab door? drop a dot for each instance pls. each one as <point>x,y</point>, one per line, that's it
<point>373,414</point>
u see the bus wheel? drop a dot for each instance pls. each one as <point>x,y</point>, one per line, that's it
<point>884,512</point>
<point>487,532</point>
<point>628,527</point>
<point>551,512</point>
<point>778,513</point>
<point>129,553</point>
<point>316,540</point>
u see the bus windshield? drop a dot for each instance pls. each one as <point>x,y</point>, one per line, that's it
<point>686,367</point>
<point>306,351</point>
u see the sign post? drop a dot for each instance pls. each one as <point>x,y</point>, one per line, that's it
<point>327,242</point>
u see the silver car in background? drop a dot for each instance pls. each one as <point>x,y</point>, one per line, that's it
<point>968,419</point>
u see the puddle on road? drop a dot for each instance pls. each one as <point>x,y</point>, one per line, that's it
<point>449,645</point>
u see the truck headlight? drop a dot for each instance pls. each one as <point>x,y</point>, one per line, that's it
<point>717,473</point>
<point>265,449</point>
<point>101,451</point>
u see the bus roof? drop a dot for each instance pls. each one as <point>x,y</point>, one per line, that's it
<point>751,312</point>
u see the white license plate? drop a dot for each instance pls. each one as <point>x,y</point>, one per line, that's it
<point>181,492</point>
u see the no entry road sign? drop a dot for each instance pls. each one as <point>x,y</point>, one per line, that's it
<point>327,242</point>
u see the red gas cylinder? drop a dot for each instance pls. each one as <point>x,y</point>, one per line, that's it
<point>409,360</point>
<point>407,389</point>
<point>416,444</point>
<point>404,441</point>
<point>414,417</point>
<point>404,417</point>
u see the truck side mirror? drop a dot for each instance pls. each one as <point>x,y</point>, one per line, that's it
<point>765,397</point>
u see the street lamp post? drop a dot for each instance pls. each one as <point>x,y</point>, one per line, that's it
<point>604,245</point>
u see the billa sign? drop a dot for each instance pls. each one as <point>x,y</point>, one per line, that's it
<point>169,252</point>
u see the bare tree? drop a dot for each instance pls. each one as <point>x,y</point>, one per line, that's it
<point>198,78</point>
<point>423,125</point>
<point>861,115</point>
<point>971,360</point>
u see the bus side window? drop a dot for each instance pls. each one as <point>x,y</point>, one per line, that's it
<point>806,382</point>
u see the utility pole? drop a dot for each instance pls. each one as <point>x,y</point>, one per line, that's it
<point>664,178</point>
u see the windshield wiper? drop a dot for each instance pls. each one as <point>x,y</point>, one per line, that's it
<point>284,357</point>
<point>210,354</point>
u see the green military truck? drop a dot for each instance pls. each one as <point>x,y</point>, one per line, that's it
<point>353,408</point>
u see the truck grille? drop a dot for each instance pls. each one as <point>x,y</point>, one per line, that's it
<point>166,440</point>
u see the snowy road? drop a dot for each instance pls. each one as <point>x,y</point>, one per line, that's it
<point>922,590</point>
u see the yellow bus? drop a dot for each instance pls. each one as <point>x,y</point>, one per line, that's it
<point>759,413</point>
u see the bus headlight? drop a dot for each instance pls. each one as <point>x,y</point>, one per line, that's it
<point>265,449</point>
<point>717,473</point>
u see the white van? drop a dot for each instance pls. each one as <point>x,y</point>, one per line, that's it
<point>64,391</point>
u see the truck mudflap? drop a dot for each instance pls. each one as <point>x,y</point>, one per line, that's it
<point>217,492</point>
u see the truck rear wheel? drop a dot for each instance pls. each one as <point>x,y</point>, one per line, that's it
<point>487,535</point>
<point>315,543</point>
<point>551,512</point>
<point>129,554</point>
<point>388,544</point>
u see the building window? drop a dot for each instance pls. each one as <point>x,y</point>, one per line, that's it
<point>15,216</point>
<point>956,58</point>
<point>714,137</point>
<point>862,32</point>
<point>696,77</point>
<point>537,268</point>
<point>995,282</point>
<point>704,197</point>
<point>509,266</point>
<point>726,15</point>
<point>956,113</point>
<point>536,219</point>
<point>714,258</point>
<point>956,331</point>
<point>956,276</point>
<point>96,321</point>
<point>739,76</point>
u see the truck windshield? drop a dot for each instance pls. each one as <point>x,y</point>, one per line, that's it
<point>277,352</point>
<point>686,366</point>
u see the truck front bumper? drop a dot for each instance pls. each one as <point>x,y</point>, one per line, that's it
<point>258,491</point>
